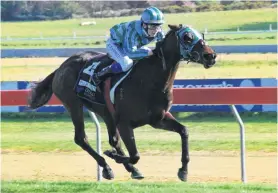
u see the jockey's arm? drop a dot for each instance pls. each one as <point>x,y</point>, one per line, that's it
<point>130,46</point>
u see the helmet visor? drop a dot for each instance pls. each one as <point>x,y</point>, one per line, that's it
<point>155,27</point>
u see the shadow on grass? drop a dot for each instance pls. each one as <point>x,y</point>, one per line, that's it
<point>190,117</point>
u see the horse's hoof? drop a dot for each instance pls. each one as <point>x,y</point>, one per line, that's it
<point>182,174</point>
<point>107,173</point>
<point>121,159</point>
<point>136,175</point>
<point>118,158</point>
<point>110,153</point>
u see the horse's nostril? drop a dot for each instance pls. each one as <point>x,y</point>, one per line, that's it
<point>209,56</point>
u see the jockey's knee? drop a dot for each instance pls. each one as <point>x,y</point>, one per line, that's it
<point>127,63</point>
<point>134,159</point>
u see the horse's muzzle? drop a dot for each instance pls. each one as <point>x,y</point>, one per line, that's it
<point>209,59</point>
<point>208,65</point>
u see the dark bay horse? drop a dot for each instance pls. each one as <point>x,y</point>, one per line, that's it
<point>144,97</point>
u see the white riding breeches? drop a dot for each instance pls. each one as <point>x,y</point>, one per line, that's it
<point>117,53</point>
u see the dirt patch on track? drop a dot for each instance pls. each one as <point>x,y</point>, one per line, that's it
<point>80,166</point>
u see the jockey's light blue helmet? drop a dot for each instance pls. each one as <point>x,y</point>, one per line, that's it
<point>152,15</point>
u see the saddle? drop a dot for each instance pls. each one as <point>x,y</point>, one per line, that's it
<point>85,88</point>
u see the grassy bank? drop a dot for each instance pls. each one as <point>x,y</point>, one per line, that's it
<point>215,21</point>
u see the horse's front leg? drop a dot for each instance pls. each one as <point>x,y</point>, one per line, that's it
<point>169,123</point>
<point>114,141</point>
<point>127,135</point>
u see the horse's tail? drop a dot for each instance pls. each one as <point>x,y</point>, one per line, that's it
<point>41,92</point>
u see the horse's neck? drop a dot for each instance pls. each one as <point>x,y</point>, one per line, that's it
<point>172,64</point>
<point>152,71</point>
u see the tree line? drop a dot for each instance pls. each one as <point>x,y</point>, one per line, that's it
<point>53,10</point>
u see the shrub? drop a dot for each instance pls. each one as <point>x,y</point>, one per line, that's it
<point>247,5</point>
<point>177,9</point>
<point>257,4</point>
<point>234,6</point>
<point>209,6</point>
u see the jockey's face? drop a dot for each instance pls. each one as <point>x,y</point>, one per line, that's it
<point>152,29</point>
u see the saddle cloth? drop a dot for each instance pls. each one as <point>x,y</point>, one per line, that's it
<point>85,88</point>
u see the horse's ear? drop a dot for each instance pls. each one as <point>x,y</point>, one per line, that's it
<point>173,27</point>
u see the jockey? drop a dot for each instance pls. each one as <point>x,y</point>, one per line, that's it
<point>127,42</point>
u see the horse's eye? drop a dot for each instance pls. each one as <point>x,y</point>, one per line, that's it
<point>188,38</point>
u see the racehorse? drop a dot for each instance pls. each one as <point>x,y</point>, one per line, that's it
<point>143,97</point>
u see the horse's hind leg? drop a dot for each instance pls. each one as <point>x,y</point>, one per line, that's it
<point>114,141</point>
<point>62,86</point>
<point>169,123</point>
<point>80,138</point>
<point>75,109</point>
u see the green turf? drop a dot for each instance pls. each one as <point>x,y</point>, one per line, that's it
<point>130,187</point>
<point>215,21</point>
<point>255,19</point>
<point>208,132</point>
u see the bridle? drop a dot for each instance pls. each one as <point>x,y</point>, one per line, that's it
<point>185,50</point>
<point>180,45</point>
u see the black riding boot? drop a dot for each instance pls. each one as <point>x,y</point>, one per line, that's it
<point>102,75</point>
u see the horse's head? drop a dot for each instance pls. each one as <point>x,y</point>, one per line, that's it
<point>191,45</point>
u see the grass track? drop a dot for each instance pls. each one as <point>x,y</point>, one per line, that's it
<point>208,132</point>
<point>162,187</point>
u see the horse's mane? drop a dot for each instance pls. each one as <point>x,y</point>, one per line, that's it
<point>88,55</point>
<point>158,45</point>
